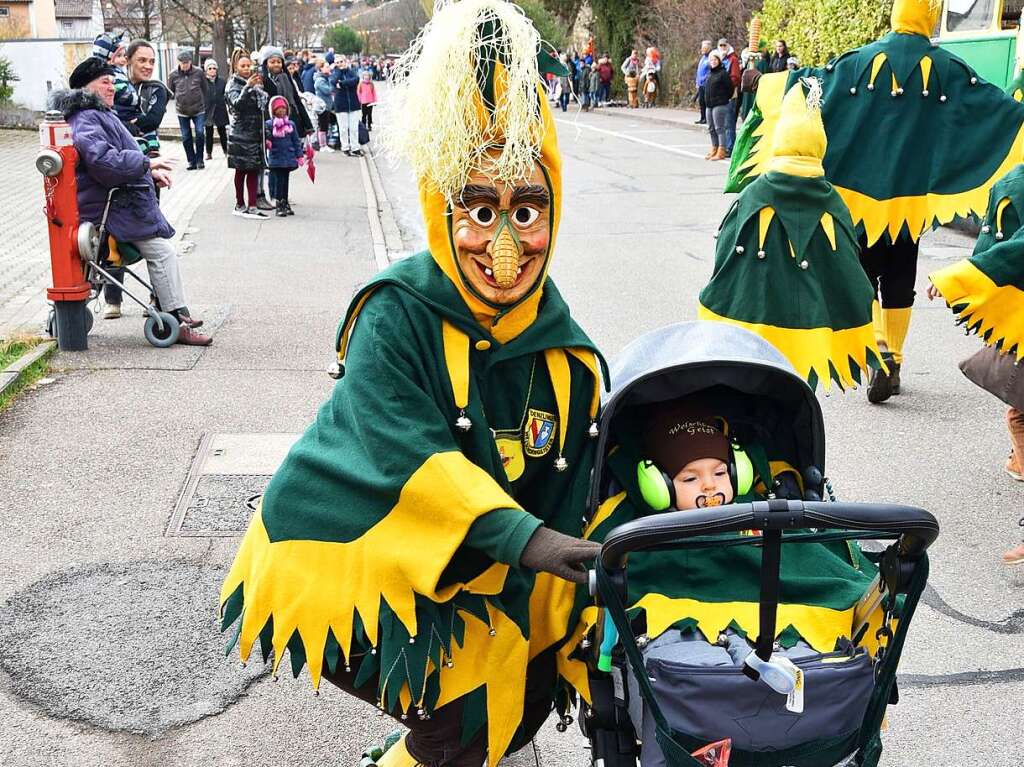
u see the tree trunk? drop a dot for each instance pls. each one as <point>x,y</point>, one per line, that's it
<point>220,43</point>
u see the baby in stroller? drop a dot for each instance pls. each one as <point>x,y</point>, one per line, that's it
<point>717,638</point>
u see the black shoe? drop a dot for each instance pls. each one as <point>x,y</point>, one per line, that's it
<point>209,156</point>
<point>282,211</point>
<point>880,384</point>
<point>894,376</point>
<point>700,122</point>
<point>288,208</point>
<point>200,164</point>
<point>347,152</point>
<point>356,153</point>
<point>191,166</point>
<point>263,204</point>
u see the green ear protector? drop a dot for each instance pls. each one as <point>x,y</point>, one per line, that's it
<point>659,492</point>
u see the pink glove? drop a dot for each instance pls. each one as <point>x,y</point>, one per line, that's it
<point>302,160</point>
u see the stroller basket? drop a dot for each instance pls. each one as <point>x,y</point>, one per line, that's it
<point>688,705</point>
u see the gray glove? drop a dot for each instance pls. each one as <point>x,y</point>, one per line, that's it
<point>552,552</point>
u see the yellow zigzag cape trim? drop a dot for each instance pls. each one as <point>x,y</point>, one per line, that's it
<point>994,312</point>
<point>810,350</point>
<point>919,213</point>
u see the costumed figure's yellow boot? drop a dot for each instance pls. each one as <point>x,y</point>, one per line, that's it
<point>892,325</point>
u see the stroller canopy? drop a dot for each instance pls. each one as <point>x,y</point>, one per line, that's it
<point>751,379</point>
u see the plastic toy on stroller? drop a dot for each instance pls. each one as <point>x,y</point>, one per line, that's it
<point>161,328</point>
<point>775,699</point>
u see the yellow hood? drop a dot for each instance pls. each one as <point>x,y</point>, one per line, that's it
<point>915,17</point>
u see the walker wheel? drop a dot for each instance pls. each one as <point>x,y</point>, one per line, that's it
<point>161,337</point>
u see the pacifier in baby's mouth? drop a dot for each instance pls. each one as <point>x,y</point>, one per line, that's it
<point>707,501</point>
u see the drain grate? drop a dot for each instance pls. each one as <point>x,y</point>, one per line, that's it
<point>227,472</point>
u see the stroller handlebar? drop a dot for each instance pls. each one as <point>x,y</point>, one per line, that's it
<point>916,528</point>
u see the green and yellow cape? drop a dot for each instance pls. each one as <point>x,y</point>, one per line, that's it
<point>389,540</point>
<point>786,265</point>
<point>986,291</point>
<point>907,150</point>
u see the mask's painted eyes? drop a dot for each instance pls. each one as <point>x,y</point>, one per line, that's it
<point>482,215</point>
<point>525,215</point>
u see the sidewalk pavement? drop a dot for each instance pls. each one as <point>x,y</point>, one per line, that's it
<point>25,258</point>
<point>108,595</point>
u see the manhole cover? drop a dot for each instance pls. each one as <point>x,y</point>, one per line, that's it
<point>228,471</point>
<point>133,647</point>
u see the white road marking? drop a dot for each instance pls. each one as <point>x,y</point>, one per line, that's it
<point>627,137</point>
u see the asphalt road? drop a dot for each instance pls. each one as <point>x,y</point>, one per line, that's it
<point>635,248</point>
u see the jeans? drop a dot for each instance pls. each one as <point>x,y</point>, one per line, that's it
<point>720,127</point>
<point>563,100</point>
<point>185,125</point>
<point>279,183</point>
<point>348,130</point>
<point>603,93</point>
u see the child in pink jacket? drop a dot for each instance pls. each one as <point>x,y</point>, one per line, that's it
<point>367,95</point>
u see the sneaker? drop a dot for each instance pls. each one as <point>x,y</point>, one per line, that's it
<point>189,337</point>
<point>288,208</point>
<point>200,164</point>
<point>112,312</point>
<point>1014,556</point>
<point>347,152</point>
<point>326,149</point>
<point>263,204</point>
<point>238,211</point>
<point>356,153</point>
<point>253,213</point>
<point>700,122</point>
<point>281,211</point>
<point>190,166</point>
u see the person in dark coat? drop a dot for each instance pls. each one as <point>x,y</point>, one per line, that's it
<point>216,109</point>
<point>111,167</point>
<point>718,93</point>
<point>777,63</point>
<point>284,149</point>
<point>278,82</point>
<point>188,88</point>
<point>246,100</point>
<point>347,108</point>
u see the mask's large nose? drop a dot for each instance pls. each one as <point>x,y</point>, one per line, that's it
<point>505,255</point>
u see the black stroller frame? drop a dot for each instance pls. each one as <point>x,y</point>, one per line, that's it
<point>903,565</point>
<point>161,328</point>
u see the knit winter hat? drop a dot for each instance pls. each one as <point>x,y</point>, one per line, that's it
<point>278,101</point>
<point>210,64</point>
<point>268,52</point>
<point>89,70</point>
<point>676,434</point>
<point>104,46</point>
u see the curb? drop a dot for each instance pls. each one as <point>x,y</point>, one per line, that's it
<point>628,113</point>
<point>387,238</point>
<point>10,377</point>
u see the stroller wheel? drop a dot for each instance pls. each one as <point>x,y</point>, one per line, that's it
<point>161,337</point>
<point>89,319</point>
<point>51,323</point>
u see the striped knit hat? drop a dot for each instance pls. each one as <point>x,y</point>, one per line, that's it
<point>104,46</point>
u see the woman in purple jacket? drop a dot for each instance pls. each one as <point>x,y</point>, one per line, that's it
<point>109,158</point>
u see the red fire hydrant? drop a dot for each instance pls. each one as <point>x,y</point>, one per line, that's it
<point>71,242</point>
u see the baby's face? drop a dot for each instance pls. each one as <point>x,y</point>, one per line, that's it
<point>702,483</point>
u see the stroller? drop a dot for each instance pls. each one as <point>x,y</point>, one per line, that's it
<point>161,328</point>
<point>655,701</point>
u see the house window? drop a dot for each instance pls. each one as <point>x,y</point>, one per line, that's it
<point>67,25</point>
<point>5,12</point>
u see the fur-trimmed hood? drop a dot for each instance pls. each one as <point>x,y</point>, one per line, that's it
<point>69,101</point>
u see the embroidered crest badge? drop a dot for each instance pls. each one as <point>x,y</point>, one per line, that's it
<point>539,433</point>
<point>512,461</point>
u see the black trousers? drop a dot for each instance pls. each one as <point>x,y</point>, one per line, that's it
<point>368,116</point>
<point>437,742</point>
<point>222,131</point>
<point>702,101</point>
<point>892,270</point>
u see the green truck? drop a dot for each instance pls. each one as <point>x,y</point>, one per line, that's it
<point>986,34</point>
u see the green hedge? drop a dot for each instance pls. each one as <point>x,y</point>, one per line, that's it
<point>818,30</point>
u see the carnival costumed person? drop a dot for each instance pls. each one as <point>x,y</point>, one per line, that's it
<point>986,293</point>
<point>786,263</point>
<point>420,545</point>
<point>906,151</point>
